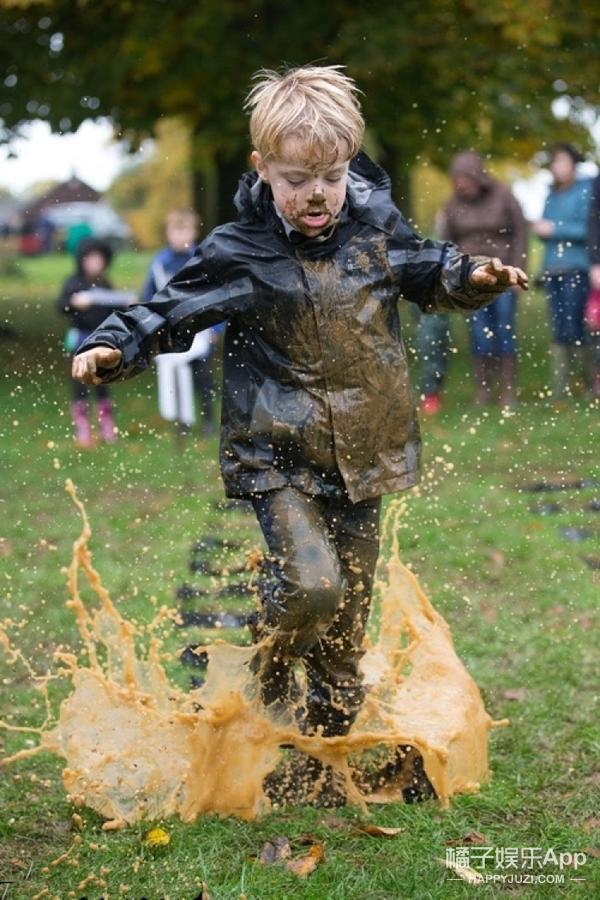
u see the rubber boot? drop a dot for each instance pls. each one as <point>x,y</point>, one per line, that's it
<point>560,370</point>
<point>83,432</point>
<point>508,380</point>
<point>105,420</point>
<point>482,369</point>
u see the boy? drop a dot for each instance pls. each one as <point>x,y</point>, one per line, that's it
<point>178,373</point>
<point>318,418</point>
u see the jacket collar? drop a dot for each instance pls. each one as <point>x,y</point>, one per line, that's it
<point>368,197</point>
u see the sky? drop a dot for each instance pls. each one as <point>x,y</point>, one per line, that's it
<point>89,153</point>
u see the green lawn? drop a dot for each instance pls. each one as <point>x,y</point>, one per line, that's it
<point>520,599</point>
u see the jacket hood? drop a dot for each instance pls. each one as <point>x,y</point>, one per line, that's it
<point>253,196</point>
<point>470,163</point>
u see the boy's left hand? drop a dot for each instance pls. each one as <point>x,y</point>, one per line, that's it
<point>496,273</point>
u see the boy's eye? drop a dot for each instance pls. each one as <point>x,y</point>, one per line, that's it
<point>295,182</point>
<point>333,179</point>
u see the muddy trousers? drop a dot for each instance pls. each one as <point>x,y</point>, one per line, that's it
<point>316,594</point>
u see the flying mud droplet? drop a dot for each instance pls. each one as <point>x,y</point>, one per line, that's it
<point>136,747</point>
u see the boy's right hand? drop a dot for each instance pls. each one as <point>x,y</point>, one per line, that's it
<point>85,365</point>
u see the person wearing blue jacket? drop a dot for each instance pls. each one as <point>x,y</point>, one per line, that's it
<point>563,229</point>
<point>181,375</point>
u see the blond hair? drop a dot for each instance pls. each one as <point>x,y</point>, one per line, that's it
<point>316,104</point>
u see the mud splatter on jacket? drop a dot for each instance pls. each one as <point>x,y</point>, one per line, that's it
<point>316,391</point>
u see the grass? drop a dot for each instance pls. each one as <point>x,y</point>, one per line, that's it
<point>519,597</point>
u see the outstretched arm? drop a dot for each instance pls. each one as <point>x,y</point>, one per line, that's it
<point>197,297</point>
<point>438,277</point>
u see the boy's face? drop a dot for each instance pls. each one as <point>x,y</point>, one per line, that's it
<point>181,235</point>
<point>308,193</point>
<point>93,264</point>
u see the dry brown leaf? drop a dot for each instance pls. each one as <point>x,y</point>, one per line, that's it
<point>307,839</point>
<point>5,547</point>
<point>517,694</point>
<point>473,837</point>
<point>334,822</point>
<point>591,824</point>
<point>497,559</point>
<point>378,830</point>
<point>305,865</point>
<point>592,851</point>
<point>487,611</point>
<point>274,850</point>
<point>464,872</point>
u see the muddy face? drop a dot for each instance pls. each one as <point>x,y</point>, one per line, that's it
<point>309,191</point>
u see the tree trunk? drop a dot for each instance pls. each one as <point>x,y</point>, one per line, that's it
<point>204,184</point>
<point>400,173</point>
<point>215,178</point>
<point>229,168</point>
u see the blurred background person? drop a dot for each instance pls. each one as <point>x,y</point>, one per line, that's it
<point>180,375</point>
<point>87,298</point>
<point>564,231</point>
<point>483,217</point>
<point>432,345</point>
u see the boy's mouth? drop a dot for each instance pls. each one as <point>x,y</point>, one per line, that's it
<point>316,219</point>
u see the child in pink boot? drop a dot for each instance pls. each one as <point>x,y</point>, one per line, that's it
<point>87,298</point>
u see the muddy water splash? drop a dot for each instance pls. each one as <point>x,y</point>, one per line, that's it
<point>138,747</point>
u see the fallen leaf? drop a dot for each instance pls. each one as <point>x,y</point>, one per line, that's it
<point>497,558</point>
<point>592,851</point>
<point>157,837</point>
<point>5,547</point>
<point>378,830</point>
<point>17,863</point>
<point>591,824</point>
<point>304,865</point>
<point>464,872</point>
<point>473,837</point>
<point>334,822</point>
<point>274,850</point>
<point>517,694</point>
<point>487,611</point>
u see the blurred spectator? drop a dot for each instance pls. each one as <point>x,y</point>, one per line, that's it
<point>563,229</point>
<point>432,344</point>
<point>483,217</point>
<point>86,299</point>
<point>180,373</point>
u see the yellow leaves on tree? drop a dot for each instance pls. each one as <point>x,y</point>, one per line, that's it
<point>145,193</point>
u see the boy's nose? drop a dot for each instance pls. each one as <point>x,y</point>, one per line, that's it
<point>318,190</point>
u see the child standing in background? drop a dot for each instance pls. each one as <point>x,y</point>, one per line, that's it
<point>179,374</point>
<point>86,299</point>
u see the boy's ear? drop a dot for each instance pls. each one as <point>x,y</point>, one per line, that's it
<point>259,164</point>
